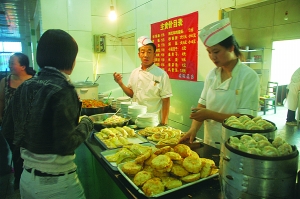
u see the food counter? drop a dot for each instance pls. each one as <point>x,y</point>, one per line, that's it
<point>202,190</point>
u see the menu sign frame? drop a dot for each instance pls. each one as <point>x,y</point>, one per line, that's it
<point>176,40</point>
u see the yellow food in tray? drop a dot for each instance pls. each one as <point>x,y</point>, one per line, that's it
<point>115,137</point>
<point>165,168</point>
<point>162,134</point>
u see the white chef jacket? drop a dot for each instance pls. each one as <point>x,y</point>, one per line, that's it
<point>238,94</point>
<point>149,87</point>
<point>294,88</point>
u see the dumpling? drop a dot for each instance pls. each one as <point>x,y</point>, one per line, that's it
<point>244,118</point>
<point>249,124</point>
<point>263,143</point>
<point>257,137</point>
<point>285,149</point>
<point>254,151</point>
<point>237,125</point>
<point>269,151</point>
<point>256,118</point>
<point>245,138</point>
<point>278,141</point>
<point>231,118</point>
<point>251,143</point>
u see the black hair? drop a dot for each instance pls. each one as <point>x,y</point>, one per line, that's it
<point>56,48</point>
<point>151,44</point>
<point>231,41</point>
<point>24,61</point>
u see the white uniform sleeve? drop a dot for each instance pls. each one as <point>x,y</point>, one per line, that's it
<point>166,90</point>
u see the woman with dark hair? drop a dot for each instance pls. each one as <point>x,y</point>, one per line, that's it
<point>19,72</point>
<point>44,117</point>
<point>232,88</point>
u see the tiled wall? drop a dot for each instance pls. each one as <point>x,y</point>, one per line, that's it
<point>135,18</point>
<point>259,25</point>
<point>83,19</point>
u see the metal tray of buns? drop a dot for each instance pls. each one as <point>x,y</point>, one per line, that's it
<point>167,191</point>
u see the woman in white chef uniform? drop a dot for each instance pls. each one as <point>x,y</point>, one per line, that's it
<point>232,88</point>
<point>148,84</point>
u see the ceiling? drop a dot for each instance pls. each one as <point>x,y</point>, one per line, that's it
<point>15,17</point>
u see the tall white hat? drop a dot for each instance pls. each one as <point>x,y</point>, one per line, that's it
<point>216,32</point>
<point>143,40</point>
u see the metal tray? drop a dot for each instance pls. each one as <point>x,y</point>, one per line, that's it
<point>113,165</point>
<point>134,140</point>
<point>165,192</point>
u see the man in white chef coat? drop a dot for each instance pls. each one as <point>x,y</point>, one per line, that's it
<point>292,98</point>
<point>148,84</point>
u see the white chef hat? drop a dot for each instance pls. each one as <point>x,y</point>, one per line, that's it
<point>143,40</point>
<point>216,32</point>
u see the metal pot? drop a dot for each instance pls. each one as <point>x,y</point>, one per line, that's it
<point>86,90</point>
<point>94,111</point>
<point>244,175</point>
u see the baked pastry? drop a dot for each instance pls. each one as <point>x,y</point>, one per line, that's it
<point>141,177</point>
<point>161,162</point>
<point>141,158</point>
<point>163,150</point>
<point>149,160</point>
<point>191,177</point>
<point>192,164</point>
<point>207,165</point>
<point>131,168</point>
<point>153,186</point>
<point>170,182</point>
<point>183,150</point>
<point>179,170</point>
<point>173,155</point>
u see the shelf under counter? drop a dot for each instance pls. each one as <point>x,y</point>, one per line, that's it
<point>208,189</point>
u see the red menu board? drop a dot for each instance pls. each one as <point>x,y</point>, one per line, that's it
<point>177,46</point>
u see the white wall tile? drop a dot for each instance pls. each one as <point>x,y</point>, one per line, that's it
<point>85,45</point>
<point>79,15</point>
<point>111,61</point>
<point>54,14</point>
<point>82,70</point>
<point>124,26</point>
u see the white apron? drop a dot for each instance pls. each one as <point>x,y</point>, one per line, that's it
<point>220,99</point>
<point>148,92</point>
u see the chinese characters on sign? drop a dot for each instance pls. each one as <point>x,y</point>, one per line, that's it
<point>177,46</point>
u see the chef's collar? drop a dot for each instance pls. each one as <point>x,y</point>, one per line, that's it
<point>149,68</point>
<point>218,85</point>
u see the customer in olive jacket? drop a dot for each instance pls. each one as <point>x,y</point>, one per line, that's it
<point>43,115</point>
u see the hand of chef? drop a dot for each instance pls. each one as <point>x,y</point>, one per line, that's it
<point>200,114</point>
<point>118,77</point>
<point>188,137</point>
